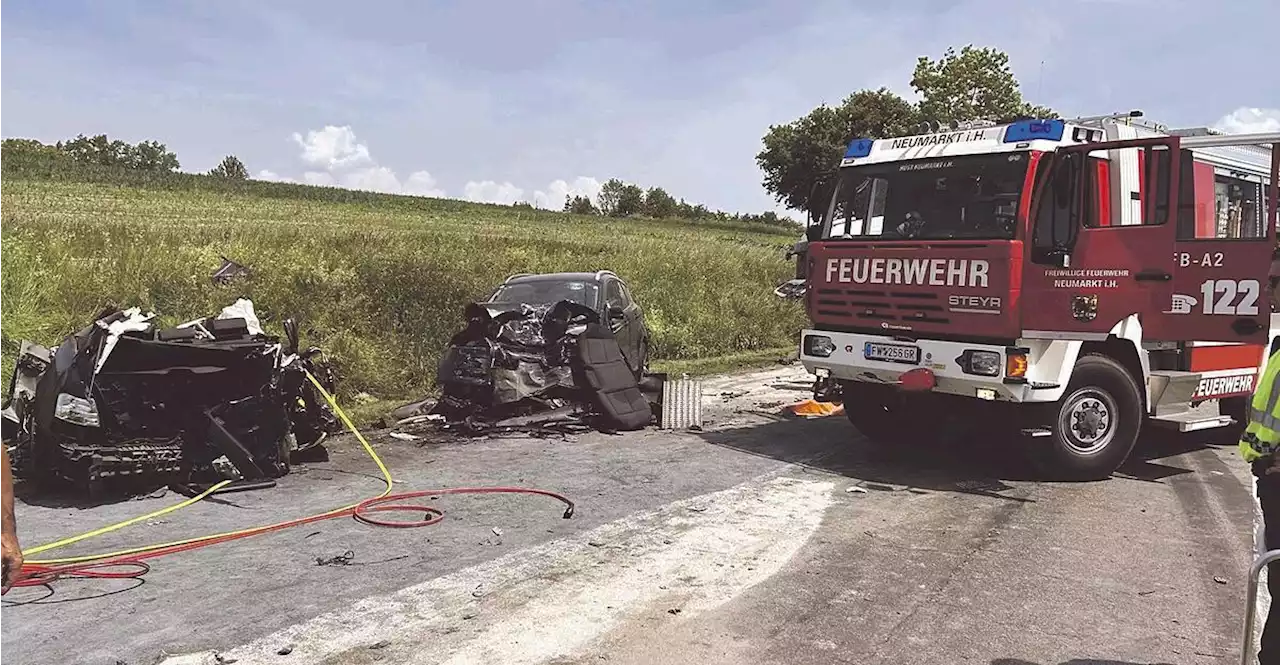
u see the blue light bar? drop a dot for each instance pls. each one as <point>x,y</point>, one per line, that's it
<point>1032,130</point>
<point>858,148</point>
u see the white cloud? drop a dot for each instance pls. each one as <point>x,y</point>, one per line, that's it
<point>344,161</point>
<point>348,163</point>
<point>555,194</point>
<point>550,198</point>
<point>319,178</point>
<point>333,148</point>
<point>373,179</point>
<point>421,183</point>
<point>272,176</point>
<point>489,191</point>
<point>1249,120</point>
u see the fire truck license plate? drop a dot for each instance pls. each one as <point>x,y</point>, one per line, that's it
<point>892,353</point>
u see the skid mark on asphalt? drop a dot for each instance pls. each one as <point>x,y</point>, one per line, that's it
<point>554,599</point>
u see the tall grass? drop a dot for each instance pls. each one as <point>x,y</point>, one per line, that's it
<point>379,282</point>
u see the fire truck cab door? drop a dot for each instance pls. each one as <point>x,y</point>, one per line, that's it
<point>1092,264</point>
<point>1221,258</point>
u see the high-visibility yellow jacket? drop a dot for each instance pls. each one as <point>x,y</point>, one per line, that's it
<point>1262,435</point>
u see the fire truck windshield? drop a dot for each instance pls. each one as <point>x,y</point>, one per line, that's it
<point>973,197</point>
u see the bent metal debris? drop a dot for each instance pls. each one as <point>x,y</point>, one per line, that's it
<point>212,399</point>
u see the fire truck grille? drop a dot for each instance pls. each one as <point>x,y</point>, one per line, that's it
<point>867,305</point>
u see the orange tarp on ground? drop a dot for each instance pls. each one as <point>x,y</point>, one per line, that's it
<point>811,409</point>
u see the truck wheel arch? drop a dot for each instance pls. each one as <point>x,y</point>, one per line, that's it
<point>1131,357</point>
<point>1123,343</point>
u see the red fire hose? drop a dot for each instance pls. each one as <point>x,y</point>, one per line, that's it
<point>131,564</point>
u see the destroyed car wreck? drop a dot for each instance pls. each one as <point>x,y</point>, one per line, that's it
<point>123,402</point>
<point>545,367</point>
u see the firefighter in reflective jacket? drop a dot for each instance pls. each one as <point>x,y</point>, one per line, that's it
<point>1259,446</point>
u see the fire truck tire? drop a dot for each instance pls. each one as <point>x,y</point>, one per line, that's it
<point>880,415</point>
<point>1096,422</point>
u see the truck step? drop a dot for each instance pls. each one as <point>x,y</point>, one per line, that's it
<point>1191,421</point>
<point>1171,392</point>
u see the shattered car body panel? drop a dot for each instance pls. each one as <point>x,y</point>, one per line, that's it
<point>122,399</point>
<point>522,369</point>
<point>516,355</point>
<point>603,291</point>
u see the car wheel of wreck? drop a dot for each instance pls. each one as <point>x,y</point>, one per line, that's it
<point>642,364</point>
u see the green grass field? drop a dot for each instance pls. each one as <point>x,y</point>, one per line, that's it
<point>378,281</point>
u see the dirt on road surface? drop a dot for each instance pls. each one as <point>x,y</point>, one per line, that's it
<point>761,539</point>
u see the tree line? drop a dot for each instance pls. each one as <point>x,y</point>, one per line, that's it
<point>800,158</point>
<point>102,151</point>
<point>624,199</point>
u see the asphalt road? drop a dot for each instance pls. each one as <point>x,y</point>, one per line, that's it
<point>757,540</point>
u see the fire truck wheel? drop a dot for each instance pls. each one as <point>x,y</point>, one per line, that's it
<point>1096,423</point>
<point>879,414</point>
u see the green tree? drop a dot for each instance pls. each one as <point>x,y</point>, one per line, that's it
<point>98,150</point>
<point>103,151</point>
<point>230,168</point>
<point>630,201</point>
<point>799,159</point>
<point>580,205</point>
<point>659,204</point>
<point>610,195</point>
<point>153,156</point>
<point>974,84</point>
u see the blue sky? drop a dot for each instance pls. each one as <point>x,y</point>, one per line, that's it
<point>532,99</point>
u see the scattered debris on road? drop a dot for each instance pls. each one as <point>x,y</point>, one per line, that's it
<point>343,559</point>
<point>121,400</point>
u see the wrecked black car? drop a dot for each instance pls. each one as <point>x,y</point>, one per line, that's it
<point>538,366</point>
<point>604,292</point>
<point>121,400</point>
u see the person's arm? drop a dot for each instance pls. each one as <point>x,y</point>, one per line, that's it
<point>12,552</point>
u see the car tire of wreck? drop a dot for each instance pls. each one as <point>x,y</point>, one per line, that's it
<point>1095,425</point>
<point>642,364</point>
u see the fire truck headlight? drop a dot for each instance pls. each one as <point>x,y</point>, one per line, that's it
<point>818,345</point>
<point>982,363</point>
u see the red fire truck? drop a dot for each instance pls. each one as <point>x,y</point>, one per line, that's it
<point>1076,280</point>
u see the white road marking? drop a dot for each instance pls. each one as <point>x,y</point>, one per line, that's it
<point>554,599</point>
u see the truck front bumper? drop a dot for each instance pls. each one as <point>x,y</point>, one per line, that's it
<point>955,372</point>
